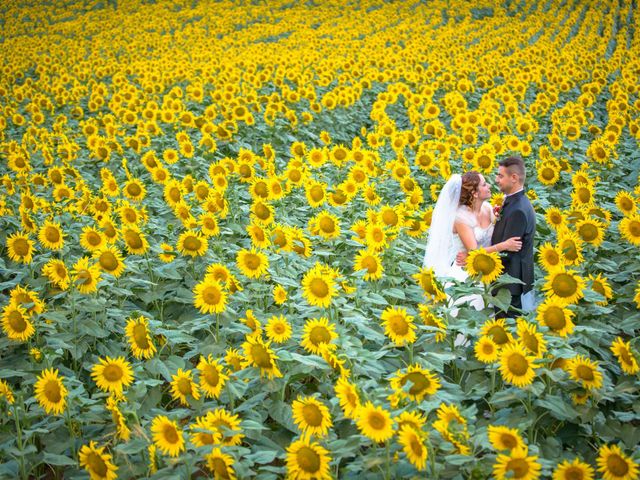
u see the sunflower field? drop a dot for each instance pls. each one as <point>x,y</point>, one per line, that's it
<point>213,218</point>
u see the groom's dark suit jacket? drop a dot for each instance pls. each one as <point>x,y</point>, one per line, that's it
<point>517,219</point>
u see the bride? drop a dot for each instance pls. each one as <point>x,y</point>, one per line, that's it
<point>462,220</point>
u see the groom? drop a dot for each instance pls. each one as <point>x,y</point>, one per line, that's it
<point>516,219</point>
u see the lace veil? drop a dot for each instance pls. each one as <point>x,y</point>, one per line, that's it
<point>439,252</point>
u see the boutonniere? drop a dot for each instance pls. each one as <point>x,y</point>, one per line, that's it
<point>496,212</point>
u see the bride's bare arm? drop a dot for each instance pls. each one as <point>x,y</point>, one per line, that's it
<point>465,232</point>
<point>513,244</point>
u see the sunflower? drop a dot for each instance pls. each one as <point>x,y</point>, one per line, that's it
<point>168,254</point>
<point>398,325</point>
<point>369,261</point>
<point>318,286</point>
<point>412,443</point>
<point>112,374</point>
<point>96,462</point>
<point>137,331</point>
<point>92,239</point>
<point>487,266</point>
<point>51,235</point>
<point>615,465</point>
<point>530,338</point>
<point>436,324</point>
<point>629,228</point>
<point>548,173</point>
<point>311,416</point>
<point>279,294</point>
<point>348,397</point>
<point>134,239</point>
<point>252,322</point>
<point>516,366</point>
<point>412,419</point>
<point>316,193</point>
<point>486,350</point>
<point>209,225</point>
<point>497,330</point>
<point>51,392</point>
<point>167,436</point>
<point>109,260</point>
<point>554,217</point>
<point>504,438</point>
<point>212,376</point>
<point>234,359</point>
<point>129,215</point>
<point>307,460</point>
<point>221,465</point>
<point>626,358</point>
<point>85,277</point>
<point>576,470</point>
<point>258,354</point>
<point>28,299</point>
<point>325,225</point>
<point>262,213</point>
<point>426,279</point>
<point>453,427</point>
<point>374,423</point>
<point>550,257</point>
<point>555,316</point>
<point>16,323</point>
<point>601,285</point>
<point>564,286</point>
<point>585,371</point>
<point>376,236</point>
<point>225,425</point>
<point>590,231</point>
<point>6,393</point>
<point>209,296</point>
<point>109,230</point>
<point>192,243</point>
<point>415,383</point>
<point>317,335</point>
<point>134,189</point>
<point>252,263</point>
<point>278,329</point>
<point>517,465</point>
<point>571,246</point>
<point>122,431</point>
<point>182,385</point>
<point>260,237</point>
<point>582,195</point>
<point>203,433</point>
<point>626,203</point>
<point>20,247</point>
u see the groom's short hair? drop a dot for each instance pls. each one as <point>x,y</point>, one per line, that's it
<point>514,165</point>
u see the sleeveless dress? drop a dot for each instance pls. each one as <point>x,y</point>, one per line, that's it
<point>483,239</point>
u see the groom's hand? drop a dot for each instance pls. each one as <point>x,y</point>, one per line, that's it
<point>461,259</point>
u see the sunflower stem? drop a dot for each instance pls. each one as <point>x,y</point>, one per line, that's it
<point>75,331</point>
<point>387,475</point>
<point>23,473</point>
<point>432,460</point>
<point>67,417</point>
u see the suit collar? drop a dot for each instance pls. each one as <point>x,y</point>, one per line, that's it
<point>513,197</point>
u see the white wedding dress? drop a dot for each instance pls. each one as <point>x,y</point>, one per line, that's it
<point>482,235</point>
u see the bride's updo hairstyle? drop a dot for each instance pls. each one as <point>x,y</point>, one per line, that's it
<point>470,182</point>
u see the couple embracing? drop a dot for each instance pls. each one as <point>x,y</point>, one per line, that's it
<point>463,220</point>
